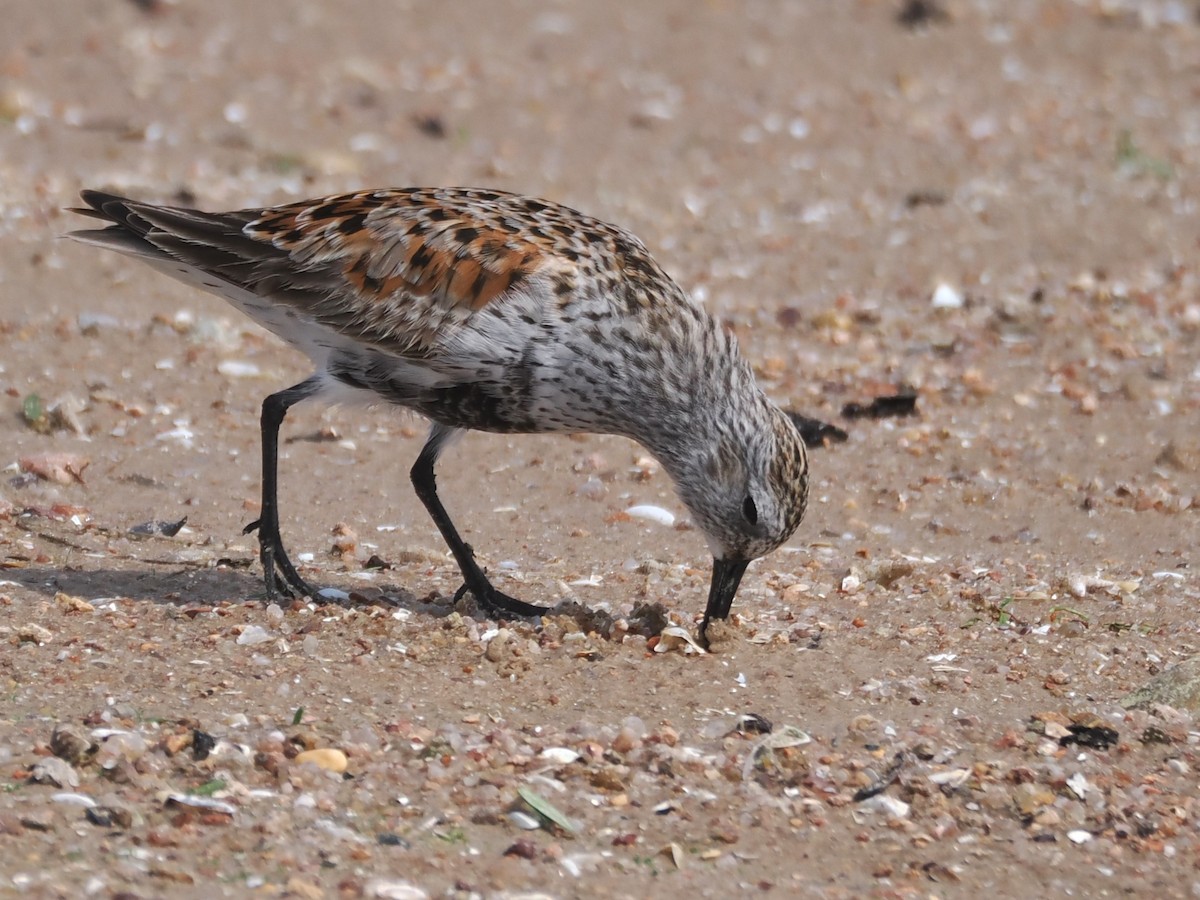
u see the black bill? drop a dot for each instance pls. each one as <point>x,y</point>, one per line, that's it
<point>727,575</point>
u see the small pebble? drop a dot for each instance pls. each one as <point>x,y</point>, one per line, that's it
<point>70,743</point>
<point>32,633</point>
<point>39,819</point>
<point>1029,798</point>
<point>522,849</point>
<point>625,741</point>
<point>327,758</point>
<point>236,368</point>
<point>70,603</point>
<point>946,297</point>
<point>524,820</point>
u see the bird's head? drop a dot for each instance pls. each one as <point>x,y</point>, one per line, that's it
<point>747,490</point>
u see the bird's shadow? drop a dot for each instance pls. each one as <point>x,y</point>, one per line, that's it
<point>197,586</point>
<point>202,587</point>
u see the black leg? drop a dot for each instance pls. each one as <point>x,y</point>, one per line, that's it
<point>279,575</point>
<point>425,484</point>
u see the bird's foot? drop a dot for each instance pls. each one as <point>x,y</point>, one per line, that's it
<point>497,603</point>
<point>280,577</point>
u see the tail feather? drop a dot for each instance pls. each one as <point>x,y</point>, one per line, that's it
<point>116,238</point>
<point>102,205</point>
<point>125,234</point>
<point>212,251</point>
<point>213,243</point>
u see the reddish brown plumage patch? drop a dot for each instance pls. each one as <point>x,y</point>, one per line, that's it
<point>447,246</point>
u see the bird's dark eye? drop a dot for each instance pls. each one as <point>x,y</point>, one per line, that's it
<point>750,511</point>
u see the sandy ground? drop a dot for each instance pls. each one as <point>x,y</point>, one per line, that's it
<point>995,205</point>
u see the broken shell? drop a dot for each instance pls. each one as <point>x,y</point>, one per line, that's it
<point>55,771</point>
<point>780,739</point>
<point>675,638</point>
<point>196,802</point>
<point>951,777</point>
<point>156,528</point>
<point>117,746</point>
<point>61,468</point>
<point>253,634</point>
<point>1079,785</point>
<point>889,806</point>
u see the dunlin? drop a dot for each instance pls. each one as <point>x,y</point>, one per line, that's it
<point>487,310</point>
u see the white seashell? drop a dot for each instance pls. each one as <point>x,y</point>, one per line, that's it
<point>390,889</point>
<point>559,755</point>
<point>524,820</point>
<point>652,514</point>
<point>74,799</point>
<point>103,734</point>
<point>180,433</point>
<point>1081,585</point>
<point>571,867</point>
<point>946,297</point>
<point>236,368</point>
